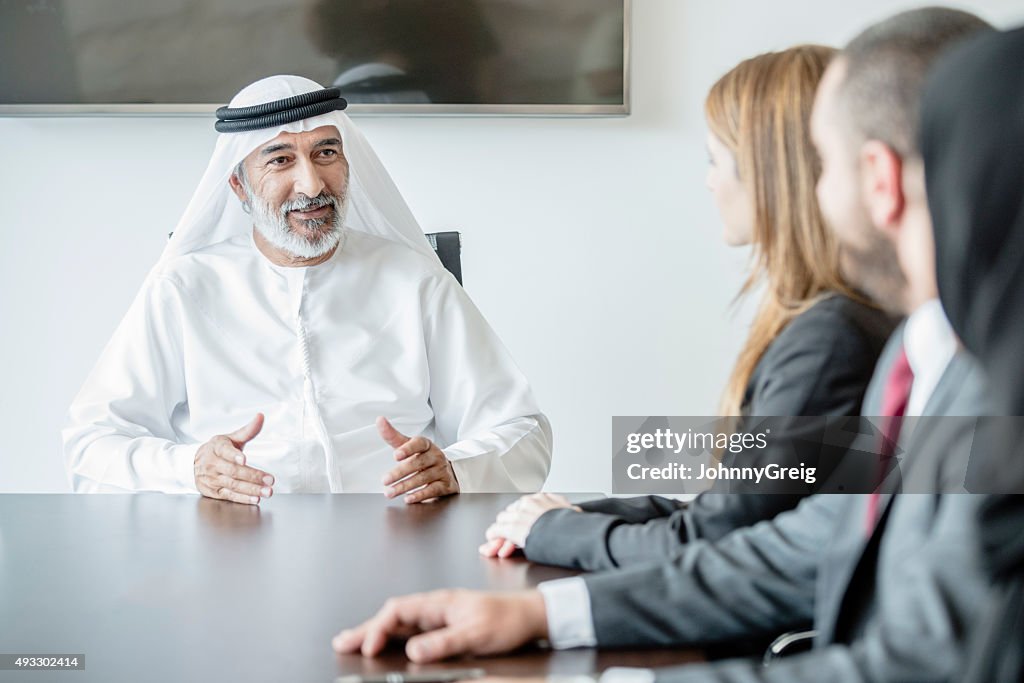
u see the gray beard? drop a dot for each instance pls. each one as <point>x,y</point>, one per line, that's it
<point>324,233</point>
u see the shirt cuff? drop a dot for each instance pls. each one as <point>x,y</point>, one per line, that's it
<point>462,474</point>
<point>623,674</point>
<point>570,623</point>
<point>184,463</point>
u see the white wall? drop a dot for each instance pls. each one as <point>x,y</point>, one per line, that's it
<point>590,245</point>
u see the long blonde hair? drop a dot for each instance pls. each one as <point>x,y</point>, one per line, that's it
<point>761,111</point>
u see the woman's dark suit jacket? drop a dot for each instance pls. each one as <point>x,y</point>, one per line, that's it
<point>819,365</point>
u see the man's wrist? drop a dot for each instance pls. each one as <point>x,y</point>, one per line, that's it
<point>451,468</point>
<point>536,613</point>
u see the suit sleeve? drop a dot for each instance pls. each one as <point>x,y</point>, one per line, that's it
<point>820,366</point>
<point>596,541</point>
<point>933,592</point>
<point>636,509</point>
<point>756,581</point>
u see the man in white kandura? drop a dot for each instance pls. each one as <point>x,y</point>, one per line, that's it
<point>291,335</point>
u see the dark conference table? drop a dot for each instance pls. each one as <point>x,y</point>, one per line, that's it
<point>154,587</point>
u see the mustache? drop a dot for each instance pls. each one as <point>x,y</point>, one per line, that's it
<point>304,203</point>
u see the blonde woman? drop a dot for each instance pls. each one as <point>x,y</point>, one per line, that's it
<point>810,351</point>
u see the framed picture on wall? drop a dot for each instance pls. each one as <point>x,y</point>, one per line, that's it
<point>471,57</point>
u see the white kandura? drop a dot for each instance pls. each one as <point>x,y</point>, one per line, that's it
<point>218,333</point>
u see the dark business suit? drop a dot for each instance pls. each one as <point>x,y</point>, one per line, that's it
<point>996,653</point>
<point>890,606</point>
<point>819,365</point>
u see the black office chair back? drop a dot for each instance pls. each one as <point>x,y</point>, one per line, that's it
<point>448,246</point>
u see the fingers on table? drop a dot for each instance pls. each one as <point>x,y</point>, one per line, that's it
<point>243,487</point>
<point>424,614</point>
<point>227,493</point>
<point>349,640</point>
<point>498,542</point>
<point>242,480</point>
<point>490,547</point>
<point>507,549</point>
<point>225,476</point>
<point>423,477</point>
<point>221,487</point>
<point>258,479</point>
<point>436,489</point>
<point>398,618</point>
<point>502,523</point>
<point>437,645</point>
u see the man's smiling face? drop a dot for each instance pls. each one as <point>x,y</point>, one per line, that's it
<point>297,187</point>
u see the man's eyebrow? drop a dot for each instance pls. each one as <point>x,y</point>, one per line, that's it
<point>328,142</point>
<point>276,148</point>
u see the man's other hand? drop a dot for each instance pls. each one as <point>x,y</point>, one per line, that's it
<point>447,623</point>
<point>221,472</point>
<point>423,473</point>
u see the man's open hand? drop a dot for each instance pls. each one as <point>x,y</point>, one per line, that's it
<point>447,623</point>
<point>423,472</point>
<point>221,472</point>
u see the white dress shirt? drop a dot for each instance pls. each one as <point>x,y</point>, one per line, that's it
<point>930,344</point>
<point>219,334</point>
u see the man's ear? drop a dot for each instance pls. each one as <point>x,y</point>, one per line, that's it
<point>236,187</point>
<point>881,170</point>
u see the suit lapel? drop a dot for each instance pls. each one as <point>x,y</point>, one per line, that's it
<point>838,566</point>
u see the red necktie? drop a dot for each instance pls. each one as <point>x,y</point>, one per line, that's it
<point>895,397</point>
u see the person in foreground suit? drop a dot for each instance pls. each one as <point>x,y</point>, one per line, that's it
<point>811,350</point>
<point>973,128</point>
<point>889,582</point>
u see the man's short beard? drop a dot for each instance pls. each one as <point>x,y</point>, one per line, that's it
<point>324,233</point>
<point>875,270</point>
